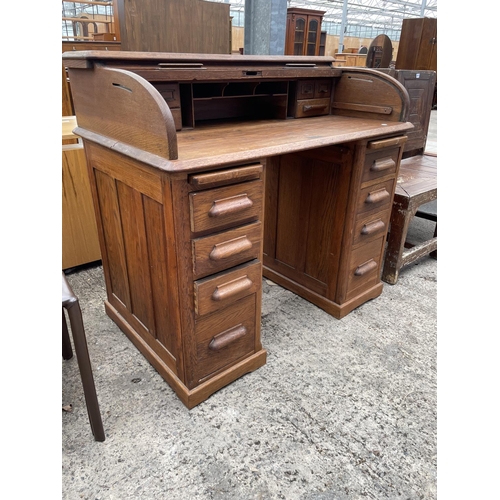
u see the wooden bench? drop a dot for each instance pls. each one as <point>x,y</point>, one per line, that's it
<point>416,186</point>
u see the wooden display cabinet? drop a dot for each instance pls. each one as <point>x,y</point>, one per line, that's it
<point>281,166</point>
<point>303,32</point>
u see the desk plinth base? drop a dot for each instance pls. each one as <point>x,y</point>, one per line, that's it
<point>336,310</point>
<point>189,397</point>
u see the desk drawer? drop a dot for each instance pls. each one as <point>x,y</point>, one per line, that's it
<point>170,92</point>
<point>218,252</point>
<point>380,163</point>
<point>312,107</point>
<point>364,267</point>
<point>377,197</point>
<point>226,206</point>
<point>371,227</point>
<point>314,89</point>
<point>225,337</point>
<point>219,291</point>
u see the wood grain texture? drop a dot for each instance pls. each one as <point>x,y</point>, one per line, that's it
<point>80,243</point>
<point>124,94</point>
<point>188,26</point>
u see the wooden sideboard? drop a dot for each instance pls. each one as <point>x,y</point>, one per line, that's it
<point>208,171</point>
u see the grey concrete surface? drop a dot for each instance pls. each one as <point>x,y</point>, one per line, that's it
<point>343,409</point>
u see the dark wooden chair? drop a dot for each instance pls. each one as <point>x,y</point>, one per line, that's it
<point>417,180</point>
<point>71,304</point>
<point>416,187</point>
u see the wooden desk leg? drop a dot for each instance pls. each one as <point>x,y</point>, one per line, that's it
<point>400,221</point>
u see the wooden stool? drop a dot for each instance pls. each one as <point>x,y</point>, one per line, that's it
<point>416,185</point>
<point>72,306</point>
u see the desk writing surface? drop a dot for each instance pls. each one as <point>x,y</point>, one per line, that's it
<point>211,145</point>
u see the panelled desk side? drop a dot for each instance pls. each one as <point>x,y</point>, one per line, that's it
<point>209,171</point>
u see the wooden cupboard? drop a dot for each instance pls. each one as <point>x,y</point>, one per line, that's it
<point>303,32</point>
<point>80,243</point>
<point>418,44</point>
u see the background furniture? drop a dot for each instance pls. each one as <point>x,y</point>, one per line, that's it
<point>418,44</point>
<point>80,243</point>
<point>71,304</point>
<point>349,59</point>
<point>303,32</point>
<point>185,26</point>
<point>379,53</point>
<point>418,47</point>
<point>180,206</point>
<point>420,86</point>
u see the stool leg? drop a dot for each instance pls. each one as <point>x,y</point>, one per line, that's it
<point>82,355</point>
<point>67,350</point>
<point>434,254</point>
<point>400,221</point>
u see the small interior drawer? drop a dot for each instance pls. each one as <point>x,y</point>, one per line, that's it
<point>305,89</point>
<point>322,89</point>
<point>314,89</point>
<point>176,115</point>
<point>218,252</point>
<point>226,206</point>
<point>376,197</point>
<point>380,163</point>
<point>225,337</point>
<point>312,107</point>
<point>220,290</point>
<point>170,92</point>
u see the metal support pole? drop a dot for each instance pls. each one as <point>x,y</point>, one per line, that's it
<point>422,8</point>
<point>343,27</point>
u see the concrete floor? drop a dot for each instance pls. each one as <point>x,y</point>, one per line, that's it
<point>343,409</point>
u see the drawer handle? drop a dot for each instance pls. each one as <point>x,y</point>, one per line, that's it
<point>382,164</point>
<point>373,227</point>
<point>313,107</point>
<point>228,206</point>
<point>230,248</point>
<point>377,196</point>
<point>231,288</point>
<point>225,338</point>
<point>365,268</point>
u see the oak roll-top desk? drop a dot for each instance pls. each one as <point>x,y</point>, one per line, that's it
<point>208,171</point>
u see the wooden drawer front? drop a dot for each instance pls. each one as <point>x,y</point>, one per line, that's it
<point>364,267</point>
<point>226,206</point>
<point>170,92</point>
<point>221,251</point>
<point>322,89</point>
<point>227,176</point>
<point>305,89</point>
<point>372,227</point>
<point>312,107</point>
<point>176,114</point>
<point>314,89</point>
<point>377,197</point>
<point>380,163</point>
<point>221,290</point>
<point>225,337</point>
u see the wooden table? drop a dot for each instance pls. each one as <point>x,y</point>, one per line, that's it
<point>208,171</point>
